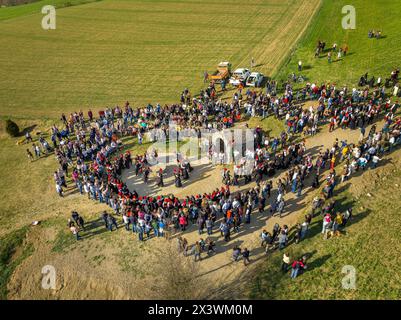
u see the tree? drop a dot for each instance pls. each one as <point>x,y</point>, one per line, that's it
<point>12,128</point>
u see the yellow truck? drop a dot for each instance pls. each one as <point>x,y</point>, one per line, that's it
<point>223,72</point>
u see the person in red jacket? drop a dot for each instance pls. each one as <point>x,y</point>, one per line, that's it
<point>297,266</point>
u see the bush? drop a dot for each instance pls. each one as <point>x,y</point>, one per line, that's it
<point>12,128</point>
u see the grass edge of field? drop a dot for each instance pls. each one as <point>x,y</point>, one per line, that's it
<point>13,251</point>
<point>287,58</point>
<point>18,11</point>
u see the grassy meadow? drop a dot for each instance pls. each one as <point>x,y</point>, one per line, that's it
<point>369,243</point>
<point>104,53</point>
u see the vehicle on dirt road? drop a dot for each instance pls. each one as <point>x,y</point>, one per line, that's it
<point>239,76</point>
<point>255,80</point>
<point>223,72</point>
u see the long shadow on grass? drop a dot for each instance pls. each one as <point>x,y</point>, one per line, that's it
<point>317,263</point>
<point>93,228</point>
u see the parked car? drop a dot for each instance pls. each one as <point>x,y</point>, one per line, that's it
<point>239,76</point>
<point>255,79</point>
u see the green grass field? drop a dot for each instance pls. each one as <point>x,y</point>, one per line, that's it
<point>13,12</point>
<point>378,57</point>
<point>370,244</point>
<point>104,53</point>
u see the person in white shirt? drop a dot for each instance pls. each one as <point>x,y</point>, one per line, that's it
<point>286,262</point>
<point>375,161</point>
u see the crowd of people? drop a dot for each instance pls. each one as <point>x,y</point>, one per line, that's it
<point>89,149</point>
<point>335,49</point>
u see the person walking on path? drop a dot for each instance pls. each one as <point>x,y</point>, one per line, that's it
<point>197,251</point>
<point>205,77</point>
<point>236,253</point>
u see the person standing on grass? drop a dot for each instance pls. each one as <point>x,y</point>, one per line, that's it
<point>155,227</point>
<point>105,219</point>
<point>126,221</point>
<point>205,77</point>
<point>282,240</point>
<point>185,247</point>
<point>326,222</point>
<point>297,267</point>
<point>36,149</point>
<point>90,115</point>
<point>347,215</point>
<point>28,137</point>
<point>285,262</point>
<point>148,228</point>
<point>161,227</point>
<point>375,161</point>
<point>245,256</point>
<point>223,85</point>
<point>338,221</point>
<point>111,221</point>
<point>74,230</point>
<point>81,222</point>
<point>59,190</point>
<point>339,54</point>
<point>297,236</point>
<point>29,154</point>
<point>304,228</point>
<point>345,49</point>
<point>140,230</point>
